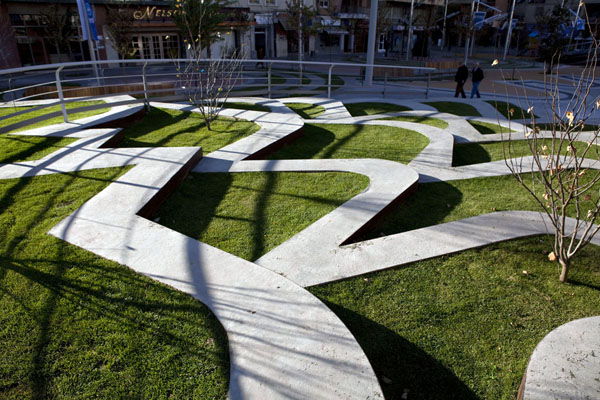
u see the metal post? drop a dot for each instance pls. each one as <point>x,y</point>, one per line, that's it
<point>269,81</point>
<point>509,32</point>
<point>467,43</point>
<point>444,27</point>
<point>60,94</point>
<point>473,34</point>
<point>410,28</point>
<point>145,83</point>
<point>428,81</point>
<point>371,44</point>
<point>300,36</point>
<point>384,83</point>
<point>12,94</point>
<point>575,24</point>
<point>329,81</point>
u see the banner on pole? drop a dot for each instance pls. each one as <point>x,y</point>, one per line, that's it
<point>478,17</point>
<point>86,16</point>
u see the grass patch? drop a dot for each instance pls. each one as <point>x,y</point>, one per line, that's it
<point>504,109</point>
<point>463,326</point>
<point>4,111</point>
<point>306,110</point>
<point>246,106</point>
<point>360,109</point>
<point>26,148</point>
<point>475,153</point>
<point>75,325</point>
<point>485,128</point>
<point>438,202</point>
<point>436,122</point>
<point>549,127</point>
<point>161,127</point>
<point>248,214</point>
<point>355,141</point>
<point>452,107</point>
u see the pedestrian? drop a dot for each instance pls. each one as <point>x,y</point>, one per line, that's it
<point>476,77</point>
<point>462,74</point>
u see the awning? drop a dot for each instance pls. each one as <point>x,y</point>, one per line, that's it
<point>352,16</point>
<point>263,19</point>
<point>328,21</point>
<point>335,30</point>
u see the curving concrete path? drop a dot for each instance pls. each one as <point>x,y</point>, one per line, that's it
<point>284,343</point>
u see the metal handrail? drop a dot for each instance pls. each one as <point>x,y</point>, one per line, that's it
<point>53,74</point>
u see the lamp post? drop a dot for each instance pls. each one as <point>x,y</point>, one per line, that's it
<point>371,44</point>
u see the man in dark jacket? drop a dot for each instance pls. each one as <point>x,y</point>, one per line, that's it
<point>476,77</point>
<point>462,74</point>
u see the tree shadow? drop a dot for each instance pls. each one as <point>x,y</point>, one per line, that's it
<point>427,206</point>
<point>408,370</point>
<point>193,205</point>
<point>30,147</point>
<point>469,153</point>
<point>48,281</point>
<point>311,143</point>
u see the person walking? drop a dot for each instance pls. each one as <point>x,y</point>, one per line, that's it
<point>462,74</point>
<point>476,77</point>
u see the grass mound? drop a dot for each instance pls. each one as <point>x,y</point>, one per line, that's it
<point>248,214</point>
<point>463,326</point>
<point>360,109</point>
<point>173,128</point>
<point>75,325</point>
<point>355,141</point>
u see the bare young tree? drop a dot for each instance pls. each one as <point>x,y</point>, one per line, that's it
<point>119,30</point>
<point>206,82</point>
<point>563,160</point>
<point>59,27</point>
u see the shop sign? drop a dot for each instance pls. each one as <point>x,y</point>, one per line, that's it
<point>154,12</point>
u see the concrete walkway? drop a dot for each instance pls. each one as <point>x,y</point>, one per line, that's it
<point>284,343</point>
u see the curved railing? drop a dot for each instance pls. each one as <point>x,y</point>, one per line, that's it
<point>160,80</point>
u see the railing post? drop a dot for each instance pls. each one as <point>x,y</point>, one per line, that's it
<point>428,81</point>
<point>269,81</point>
<point>384,83</point>
<point>60,94</point>
<point>12,94</point>
<point>146,102</point>
<point>329,81</point>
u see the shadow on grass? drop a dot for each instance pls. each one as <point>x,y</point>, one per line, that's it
<point>410,369</point>
<point>311,143</point>
<point>469,153</point>
<point>428,206</point>
<point>61,294</point>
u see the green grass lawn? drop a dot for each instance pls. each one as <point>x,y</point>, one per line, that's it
<point>485,128</point>
<point>504,109</point>
<point>360,109</point>
<point>5,111</point>
<point>463,326</point>
<point>306,110</point>
<point>354,141</point>
<point>15,148</point>
<point>161,127</point>
<point>246,106</point>
<point>75,325</point>
<point>248,214</point>
<point>474,153</point>
<point>438,202</point>
<point>435,122</point>
<point>452,107</point>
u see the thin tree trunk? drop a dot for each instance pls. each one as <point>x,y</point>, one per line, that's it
<point>564,271</point>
